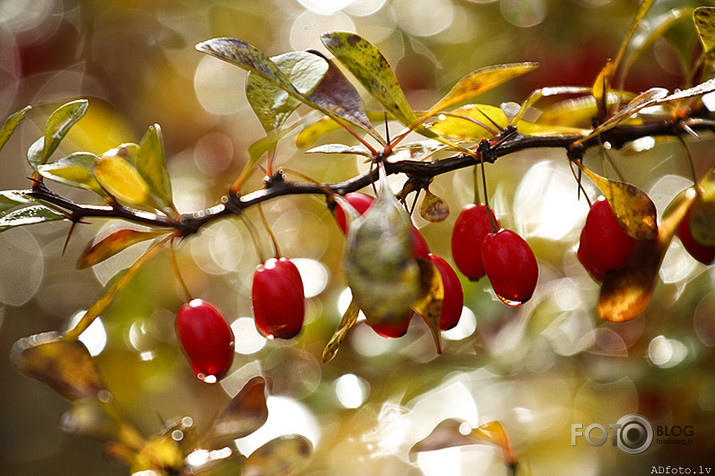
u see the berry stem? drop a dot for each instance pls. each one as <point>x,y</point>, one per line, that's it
<point>495,228</point>
<point>691,164</point>
<point>274,241</point>
<point>254,237</point>
<point>177,271</point>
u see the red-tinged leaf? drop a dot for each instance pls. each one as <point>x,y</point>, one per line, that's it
<point>65,365</point>
<point>479,81</point>
<point>337,95</point>
<point>113,244</point>
<point>246,413</point>
<point>282,456</point>
<point>429,303</point>
<point>446,434</point>
<point>348,320</point>
<point>633,209</point>
<point>494,432</point>
<point>625,293</point>
<point>269,101</point>
<point>11,124</point>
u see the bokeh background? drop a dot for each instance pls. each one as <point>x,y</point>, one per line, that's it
<point>538,368</point>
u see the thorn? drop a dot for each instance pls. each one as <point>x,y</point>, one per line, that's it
<point>67,240</point>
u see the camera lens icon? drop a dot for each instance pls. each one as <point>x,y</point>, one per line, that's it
<point>635,434</point>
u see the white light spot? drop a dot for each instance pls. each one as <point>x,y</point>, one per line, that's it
<point>220,86</point>
<point>465,327</point>
<point>94,337</point>
<point>666,353</point>
<point>285,416</point>
<point>248,340</point>
<point>351,390</point>
<point>314,275</point>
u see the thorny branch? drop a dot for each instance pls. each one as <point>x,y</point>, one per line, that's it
<point>278,185</point>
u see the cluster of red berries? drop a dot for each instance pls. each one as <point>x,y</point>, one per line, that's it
<point>453,296</point>
<point>278,304</point>
<point>480,247</point>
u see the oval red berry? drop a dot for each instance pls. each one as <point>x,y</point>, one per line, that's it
<point>470,228</point>
<point>278,299</point>
<point>510,266</point>
<point>206,339</point>
<point>703,253</point>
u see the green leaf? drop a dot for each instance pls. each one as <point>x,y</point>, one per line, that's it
<point>150,161</point>
<point>704,18</point>
<point>246,413</point>
<point>11,124</point>
<point>121,179</point>
<point>11,198</point>
<point>348,320</point>
<point>28,216</point>
<point>702,215</point>
<point>380,268</point>
<point>478,82</point>
<point>285,455</point>
<point>113,244</point>
<point>633,209</point>
<point>75,170</point>
<point>59,123</point>
<point>64,365</point>
<point>372,70</point>
<point>271,103</point>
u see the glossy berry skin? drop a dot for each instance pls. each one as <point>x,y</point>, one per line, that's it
<point>604,246</point>
<point>510,266</point>
<point>703,253</point>
<point>361,203</point>
<point>453,295</point>
<point>392,330</point>
<point>470,228</point>
<point>206,339</point>
<point>278,299</point>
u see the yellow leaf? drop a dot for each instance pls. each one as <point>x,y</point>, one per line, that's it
<point>121,179</point>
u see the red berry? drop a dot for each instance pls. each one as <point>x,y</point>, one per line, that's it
<point>585,258</point>
<point>206,339</point>
<point>703,253</point>
<point>470,228</point>
<point>453,295</point>
<point>278,299</point>
<point>606,246</point>
<point>392,330</point>
<point>361,203</point>
<point>420,249</point>
<point>510,266</point>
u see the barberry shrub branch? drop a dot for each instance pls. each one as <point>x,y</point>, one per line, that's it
<point>132,181</point>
